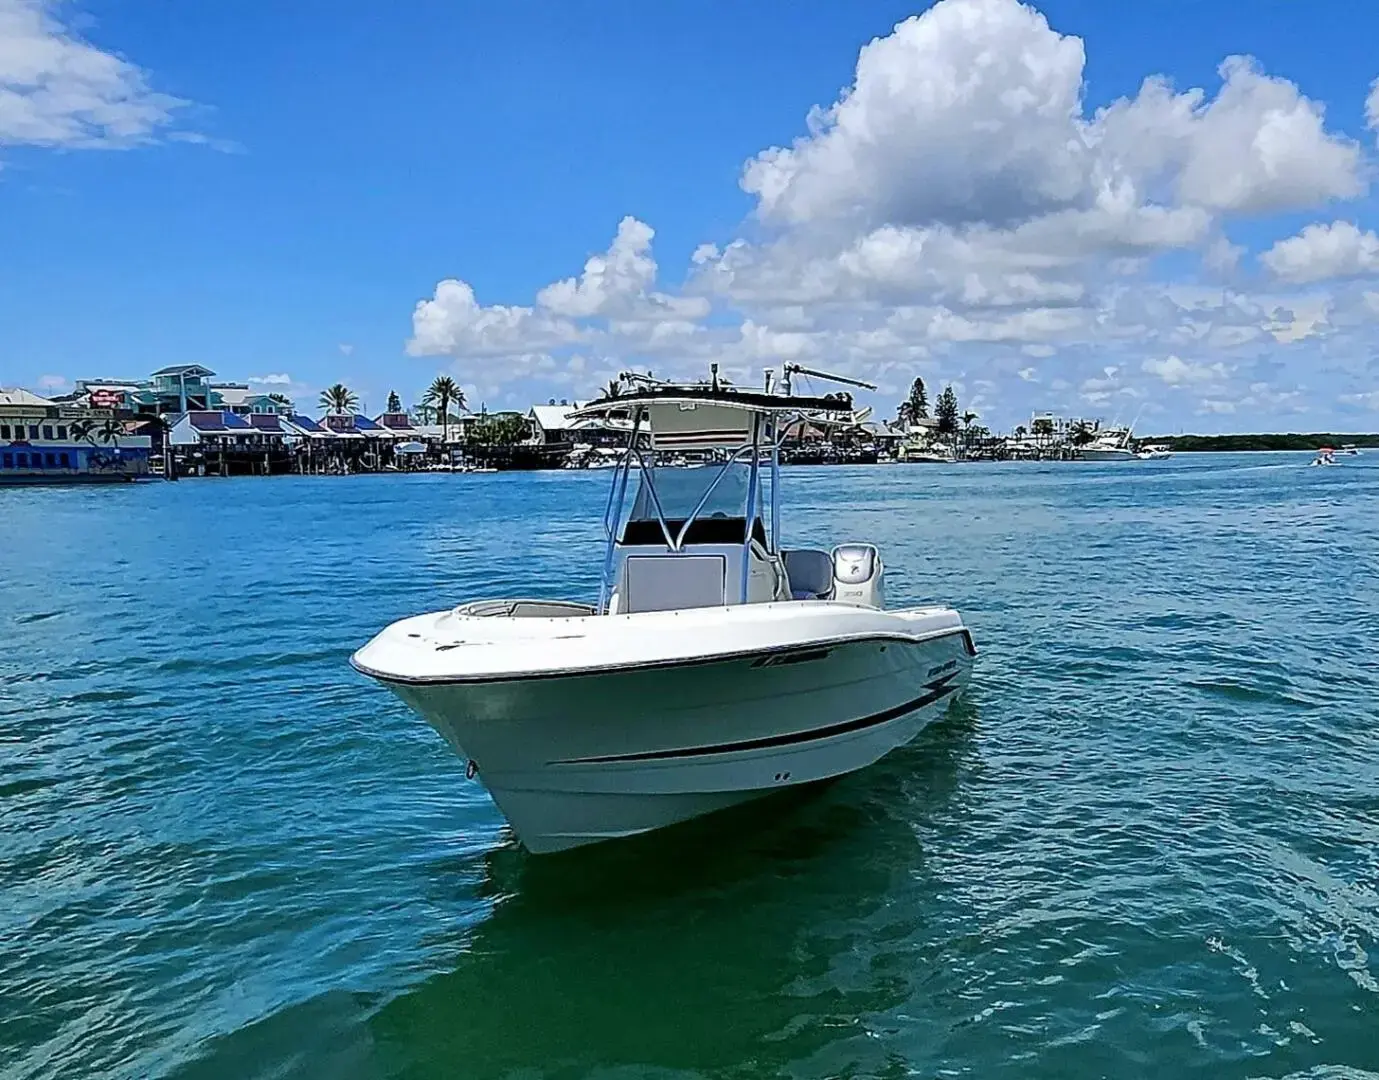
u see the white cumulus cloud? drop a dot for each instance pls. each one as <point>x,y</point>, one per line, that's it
<point>1176,372</point>
<point>625,272</point>
<point>958,208</point>
<point>1324,251</point>
<point>614,298</point>
<point>59,90</point>
<point>973,113</point>
<point>1258,146</point>
<point>961,114</point>
<point>453,322</point>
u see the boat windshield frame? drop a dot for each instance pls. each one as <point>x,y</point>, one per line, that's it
<point>771,417</point>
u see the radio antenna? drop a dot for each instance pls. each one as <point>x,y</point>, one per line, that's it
<point>796,369</point>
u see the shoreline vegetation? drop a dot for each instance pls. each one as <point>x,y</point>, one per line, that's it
<point>1188,444</point>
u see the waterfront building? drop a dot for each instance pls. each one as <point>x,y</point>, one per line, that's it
<point>222,429</point>
<point>452,434</point>
<point>553,424</point>
<point>41,442</point>
<point>174,391</point>
<point>399,425</point>
<point>316,449</point>
<point>239,399</point>
<point>224,443</point>
<point>556,427</point>
<point>217,429</point>
<point>1047,425</point>
<point>886,438</point>
<point>304,428</point>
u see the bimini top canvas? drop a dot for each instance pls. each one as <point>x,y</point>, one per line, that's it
<point>699,417</point>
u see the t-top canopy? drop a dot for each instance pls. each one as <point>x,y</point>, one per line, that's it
<point>698,416</point>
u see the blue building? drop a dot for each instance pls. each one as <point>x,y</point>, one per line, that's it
<point>41,443</point>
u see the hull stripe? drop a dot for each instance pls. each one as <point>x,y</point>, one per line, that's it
<point>935,690</point>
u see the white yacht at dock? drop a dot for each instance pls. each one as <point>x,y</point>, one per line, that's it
<point>1112,444</point>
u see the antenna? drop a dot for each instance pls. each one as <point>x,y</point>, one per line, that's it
<point>791,369</point>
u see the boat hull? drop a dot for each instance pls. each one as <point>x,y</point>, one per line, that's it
<point>576,758</point>
<point>1086,454</point>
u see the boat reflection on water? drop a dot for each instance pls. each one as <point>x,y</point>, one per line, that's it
<point>725,942</point>
<point>750,939</point>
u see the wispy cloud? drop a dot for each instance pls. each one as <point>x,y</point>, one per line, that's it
<point>58,90</point>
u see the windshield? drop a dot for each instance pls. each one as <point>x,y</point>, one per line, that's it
<point>680,489</point>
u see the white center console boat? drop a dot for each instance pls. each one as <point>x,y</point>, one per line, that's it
<point>718,665</point>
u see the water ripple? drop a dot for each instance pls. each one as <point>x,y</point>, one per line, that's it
<point>1146,844</point>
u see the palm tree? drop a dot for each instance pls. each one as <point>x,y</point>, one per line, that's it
<point>1082,433</point>
<point>339,399</point>
<point>424,412</point>
<point>443,393</point>
<point>967,419</point>
<point>613,389</point>
<point>394,402</point>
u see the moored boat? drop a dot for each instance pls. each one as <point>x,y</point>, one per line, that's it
<point>717,665</point>
<point>1111,445</point>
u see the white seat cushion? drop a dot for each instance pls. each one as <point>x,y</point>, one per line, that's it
<point>673,582</point>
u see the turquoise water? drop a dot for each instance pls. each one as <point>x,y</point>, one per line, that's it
<point>1147,844</point>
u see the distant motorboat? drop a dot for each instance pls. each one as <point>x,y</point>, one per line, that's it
<point>940,455</point>
<point>1325,456</point>
<point>592,457</point>
<point>1154,452</point>
<point>1112,445</point>
<point>1348,450</point>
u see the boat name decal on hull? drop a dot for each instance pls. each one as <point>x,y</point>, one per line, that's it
<point>779,659</point>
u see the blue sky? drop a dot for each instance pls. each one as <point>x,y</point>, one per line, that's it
<point>271,190</point>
